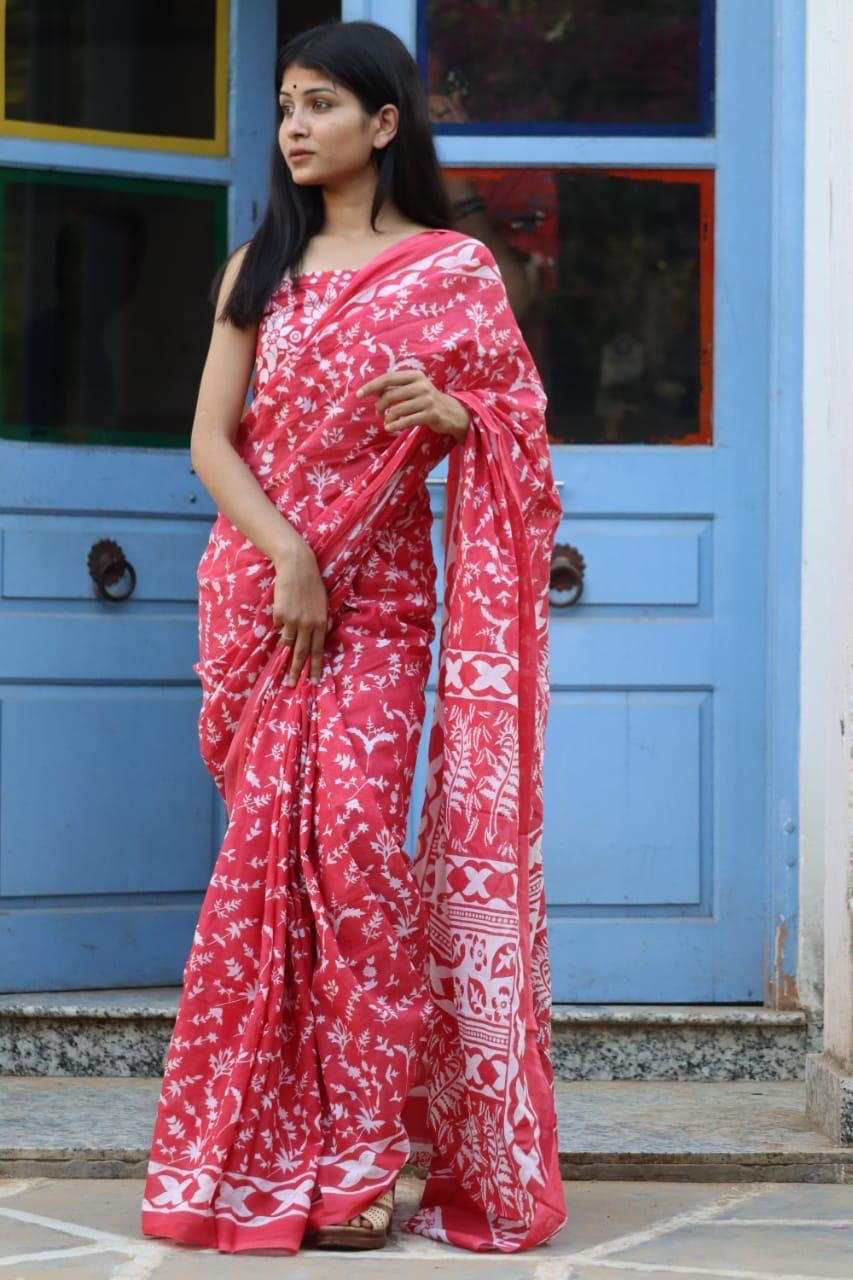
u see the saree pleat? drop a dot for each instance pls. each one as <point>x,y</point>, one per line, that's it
<point>347,1008</point>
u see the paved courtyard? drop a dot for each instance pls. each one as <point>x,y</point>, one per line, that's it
<point>89,1228</point>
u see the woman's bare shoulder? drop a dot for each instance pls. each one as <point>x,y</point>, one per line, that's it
<point>229,275</point>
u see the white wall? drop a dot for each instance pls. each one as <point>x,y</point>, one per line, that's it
<point>826,776</point>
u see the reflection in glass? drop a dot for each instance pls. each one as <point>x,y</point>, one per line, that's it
<point>293,18</point>
<point>610,276</point>
<point>125,66</point>
<point>105,314</point>
<point>595,64</point>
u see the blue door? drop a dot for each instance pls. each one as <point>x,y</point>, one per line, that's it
<point>620,165</point>
<point>120,193</point>
<point>623,157</point>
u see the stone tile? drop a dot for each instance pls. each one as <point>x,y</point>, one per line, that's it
<point>379,1264</point>
<point>14,1186</point>
<point>772,1249</point>
<point>18,1237</point>
<point>102,1265</point>
<point>90,1046</point>
<point>678,1042</point>
<point>102,1203</point>
<point>760,1239</point>
<point>60,1113</point>
<point>677,1116</point>
<point>582,1271</point>
<point>600,1211</point>
<point>110,1002</point>
<point>821,1203</point>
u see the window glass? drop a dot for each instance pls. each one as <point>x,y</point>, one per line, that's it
<point>610,276</point>
<point>293,18</point>
<point>122,66</point>
<point>104,299</point>
<point>589,65</point>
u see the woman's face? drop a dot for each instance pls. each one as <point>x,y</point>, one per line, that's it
<point>328,125</point>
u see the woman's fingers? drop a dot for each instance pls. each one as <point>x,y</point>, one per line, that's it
<point>300,650</point>
<point>308,644</point>
<point>301,613</point>
<point>409,413</point>
<point>317,652</point>
<point>392,387</point>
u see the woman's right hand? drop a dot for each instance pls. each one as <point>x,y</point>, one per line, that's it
<point>300,609</point>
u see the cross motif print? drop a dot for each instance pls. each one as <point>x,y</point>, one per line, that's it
<point>454,671</point>
<point>173,1189</point>
<point>476,886</point>
<point>491,677</point>
<point>475,674</point>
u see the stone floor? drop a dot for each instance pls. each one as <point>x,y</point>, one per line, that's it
<point>631,1230</point>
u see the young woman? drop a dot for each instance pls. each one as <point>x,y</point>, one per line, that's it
<point>347,1009</point>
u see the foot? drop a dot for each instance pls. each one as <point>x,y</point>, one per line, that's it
<point>367,1230</point>
<point>377,1215</point>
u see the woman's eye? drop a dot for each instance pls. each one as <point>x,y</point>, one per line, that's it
<point>284,107</point>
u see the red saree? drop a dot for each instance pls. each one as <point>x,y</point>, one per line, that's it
<point>347,1009</point>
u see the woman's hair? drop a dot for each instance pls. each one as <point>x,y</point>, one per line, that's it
<point>376,66</point>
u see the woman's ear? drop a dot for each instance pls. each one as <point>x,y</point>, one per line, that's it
<point>388,118</point>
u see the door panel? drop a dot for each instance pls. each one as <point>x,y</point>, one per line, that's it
<point>109,819</point>
<point>93,836</point>
<point>114,216</point>
<point>651,328</point>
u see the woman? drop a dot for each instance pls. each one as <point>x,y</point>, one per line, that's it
<point>347,1009</point>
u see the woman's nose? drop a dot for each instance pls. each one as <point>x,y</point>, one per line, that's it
<point>295,124</point>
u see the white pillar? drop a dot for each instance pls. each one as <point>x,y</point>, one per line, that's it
<point>827,565</point>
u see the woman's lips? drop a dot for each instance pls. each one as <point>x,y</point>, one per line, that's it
<point>300,155</point>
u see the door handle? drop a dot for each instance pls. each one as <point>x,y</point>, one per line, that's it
<point>567,570</point>
<point>107,564</point>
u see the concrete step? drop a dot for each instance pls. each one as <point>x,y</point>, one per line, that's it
<point>126,1033</point>
<point>684,1131</point>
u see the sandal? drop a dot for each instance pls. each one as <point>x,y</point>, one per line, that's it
<point>367,1230</point>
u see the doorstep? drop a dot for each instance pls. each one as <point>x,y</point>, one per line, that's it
<point>685,1131</point>
<point>126,1033</point>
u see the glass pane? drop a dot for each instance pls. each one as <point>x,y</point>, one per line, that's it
<point>595,65</point>
<point>105,313</point>
<point>137,66</point>
<point>293,18</point>
<point>610,276</point>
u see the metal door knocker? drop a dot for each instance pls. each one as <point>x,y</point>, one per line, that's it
<point>567,569</point>
<point>107,564</point>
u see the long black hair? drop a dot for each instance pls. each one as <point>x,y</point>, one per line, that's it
<point>376,66</point>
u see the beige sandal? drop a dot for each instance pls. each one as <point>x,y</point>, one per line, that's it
<point>367,1230</point>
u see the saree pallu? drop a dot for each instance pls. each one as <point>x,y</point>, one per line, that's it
<point>347,1008</point>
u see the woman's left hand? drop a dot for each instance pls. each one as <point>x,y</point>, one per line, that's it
<point>407,398</point>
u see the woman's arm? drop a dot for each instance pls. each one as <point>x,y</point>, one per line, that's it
<point>299,599</point>
<point>219,408</point>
